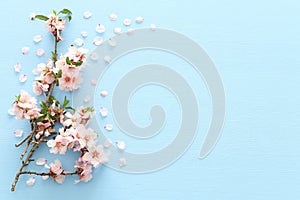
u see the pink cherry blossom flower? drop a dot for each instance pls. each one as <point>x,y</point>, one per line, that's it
<point>86,172</point>
<point>56,167</point>
<point>96,156</point>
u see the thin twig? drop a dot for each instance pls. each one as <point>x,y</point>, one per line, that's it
<point>49,173</point>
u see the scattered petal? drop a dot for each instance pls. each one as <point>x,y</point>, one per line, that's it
<point>117,30</point>
<point>41,161</point>
<point>32,16</point>
<point>108,127</point>
<point>45,177</point>
<point>47,166</point>
<point>113,17</point>
<point>11,111</point>
<point>84,34</point>
<point>104,93</point>
<point>25,50</point>
<point>94,56</point>
<point>18,133</point>
<point>40,52</point>
<point>139,20</point>
<point>76,181</point>
<point>127,22</point>
<point>87,99</point>
<point>121,145</point>
<point>107,143</point>
<point>30,181</point>
<point>130,31</point>
<point>122,162</point>
<point>17,67</point>
<point>100,28</point>
<point>107,59</point>
<point>87,14</point>
<point>79,42</point>
<point>37,38</point>
<point>94,82</point>
<point>153,27</point>
<point>98,41</point>
<point>103,112</point>
<point>22,78</point>
<point>112,42</point>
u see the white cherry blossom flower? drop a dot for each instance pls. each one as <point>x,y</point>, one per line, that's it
<point>96,156</point>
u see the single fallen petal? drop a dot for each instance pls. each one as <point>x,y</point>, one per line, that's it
<point>100,28</point>
<point>79,42</point>
<point>17,67</point>
<point>84,34</point>
<point>121,145</point>
<point>117,30</point>
<point>127,22</point>
<point>30,181</point>
<point>40,52</point>
<point>108,127</point>
<point>104,93</point>
<point>130,31</point>
<point>103,112</point>
<point>87,14</point>
<point>41,161</point>
<point>153,27</point>
<point>11,111</point>
<point>22,78</point>
<point>87,99</point>
<point>94,56</point>
<point>25,50</point>
<point>76,181</point>
<point>107,143</point>
<point>47,166</point>
<point>107,59</point>
<point>113,17</point>
<point>112,42</point>
<point>122,162</point>
<point>98,41</point>
<point>139,20</point>
<point>18,133</point>
<point>37,38</point>
<point>94,82</point>
<point>45,177</point>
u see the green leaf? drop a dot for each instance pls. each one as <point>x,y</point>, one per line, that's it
<point>65,11</point>
<point>68,61</point>
<point>69,108</point>
<point>57,83</point>
<point>54,12</point>
<point>70,17</point>
<point>40,119</point>
<point>54,56</point>
<point>59,74</point>
<point>18,97</point>
<point>41,17</point>
<point>66,102</point>
<point>77,63</point>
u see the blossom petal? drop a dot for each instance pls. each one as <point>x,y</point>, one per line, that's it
<point>25,50</point>
<point>32,16</point>
<point>130,31</point>
<point>94,56</point>
<point>45,177</point>
<point>87,14</point>
<point>11,111</point>
<point>153,27</point>
<point>17,67</point>
<point>18,133</point>
<point>117,30</point>
<point>103,112</point>
<point>108,127</point>
<point>87,99</point>
<point>40,52</point>
<point>112,42</point>
<point>104,93</point>
<point>107,143</point>
<point>98,41</point>
<point>139,20</point>
<point>79,42</point>
<point>41,161</point>
<point>22,78</point>
<point>122,162</point>
<point>113,17</point>
<point>94,82</point>
<point>30,181</point>
<point>127,22</point>
<point>107,59</point>
<point>84,34</point>
<point>121,145</point>
<point>37,38</point>
<point>100,28</point>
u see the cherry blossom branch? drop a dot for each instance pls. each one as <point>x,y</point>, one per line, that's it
<point>49,173</point>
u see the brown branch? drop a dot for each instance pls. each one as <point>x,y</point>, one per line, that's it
<point>49,173</point>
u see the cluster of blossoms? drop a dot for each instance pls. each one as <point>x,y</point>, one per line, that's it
<point>57,124</point>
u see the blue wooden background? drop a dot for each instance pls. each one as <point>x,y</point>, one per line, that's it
<point>255,46</point>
